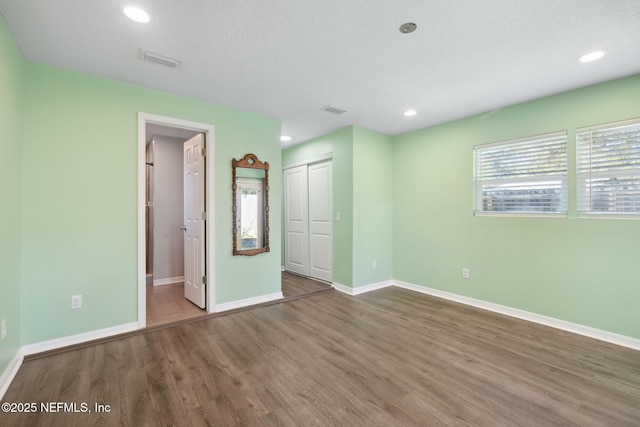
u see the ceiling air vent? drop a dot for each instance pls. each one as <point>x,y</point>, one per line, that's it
<point>160,59</point>
<point>333,110</point>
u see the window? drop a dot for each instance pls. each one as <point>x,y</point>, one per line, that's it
<point>608,170</point>
<point>522,177</point>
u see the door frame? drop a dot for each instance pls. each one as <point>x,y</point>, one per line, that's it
<point>208,131</point>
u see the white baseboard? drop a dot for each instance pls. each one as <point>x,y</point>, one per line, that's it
<point>77,339</point>
<point>168,281</point>
<point>248,301</point>
<point>9,373</point>
<point>575,328</point>
<point>362,289</point>
<point>282,268</point>
<point>342,288</point>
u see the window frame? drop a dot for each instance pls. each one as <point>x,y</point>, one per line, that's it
<point>531,142</point>
<point>589,173</point>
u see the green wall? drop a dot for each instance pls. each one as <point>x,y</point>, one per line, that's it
<point>582,271</point>
<point>372,207</point>
<point>79,229</point>
<point>12,82</point>
<point>340,145</point>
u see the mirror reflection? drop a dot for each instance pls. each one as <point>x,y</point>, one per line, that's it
<point>250,206</point>
<point>250,213</point>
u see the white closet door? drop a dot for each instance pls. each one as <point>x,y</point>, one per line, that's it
<point>296,216</point>
<point>320,225</point>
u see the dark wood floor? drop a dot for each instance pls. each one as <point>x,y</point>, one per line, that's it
<point>167,304</point>
<point>294,285</point>
<point>386,358</point>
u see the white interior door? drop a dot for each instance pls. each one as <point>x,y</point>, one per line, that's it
<point>296,220</point>
<point>320,224</point>
<point>194,224</point>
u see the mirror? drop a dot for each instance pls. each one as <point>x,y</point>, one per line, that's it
<point>250,206</point>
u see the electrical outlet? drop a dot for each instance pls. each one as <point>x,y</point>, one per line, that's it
<point>465,273</point>
<point>76,302</point>
<point>338,217</point>
<point>374,264</point>
<point>4,329</point>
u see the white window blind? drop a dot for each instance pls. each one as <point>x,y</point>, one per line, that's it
<point>522,177</point>
<point>608,168</point>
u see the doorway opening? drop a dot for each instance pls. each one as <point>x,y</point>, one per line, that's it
<point>175,254</point>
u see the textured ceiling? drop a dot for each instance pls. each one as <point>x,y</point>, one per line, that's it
<point>290,58</point>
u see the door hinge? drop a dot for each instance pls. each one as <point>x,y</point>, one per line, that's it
<point>203,151</point>
<point>204,215</point>
<point>204,280</point>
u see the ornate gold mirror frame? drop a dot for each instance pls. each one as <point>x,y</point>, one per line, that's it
<point>250,206</point>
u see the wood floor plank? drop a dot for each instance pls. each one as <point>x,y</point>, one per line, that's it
<point>385,358</point>
<point>166,303</point>
<point>293,284</point>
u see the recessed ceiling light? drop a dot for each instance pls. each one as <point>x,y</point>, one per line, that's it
<point>136,14</point>
<point>593,56</point>
<point>407,28</point>
<point>410,113</point>
<point>285,138</point>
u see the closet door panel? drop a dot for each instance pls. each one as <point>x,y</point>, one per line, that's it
<point>320,187</point>
<point>296,216</point>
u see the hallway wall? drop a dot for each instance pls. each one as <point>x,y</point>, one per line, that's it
<point>168,208</point>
